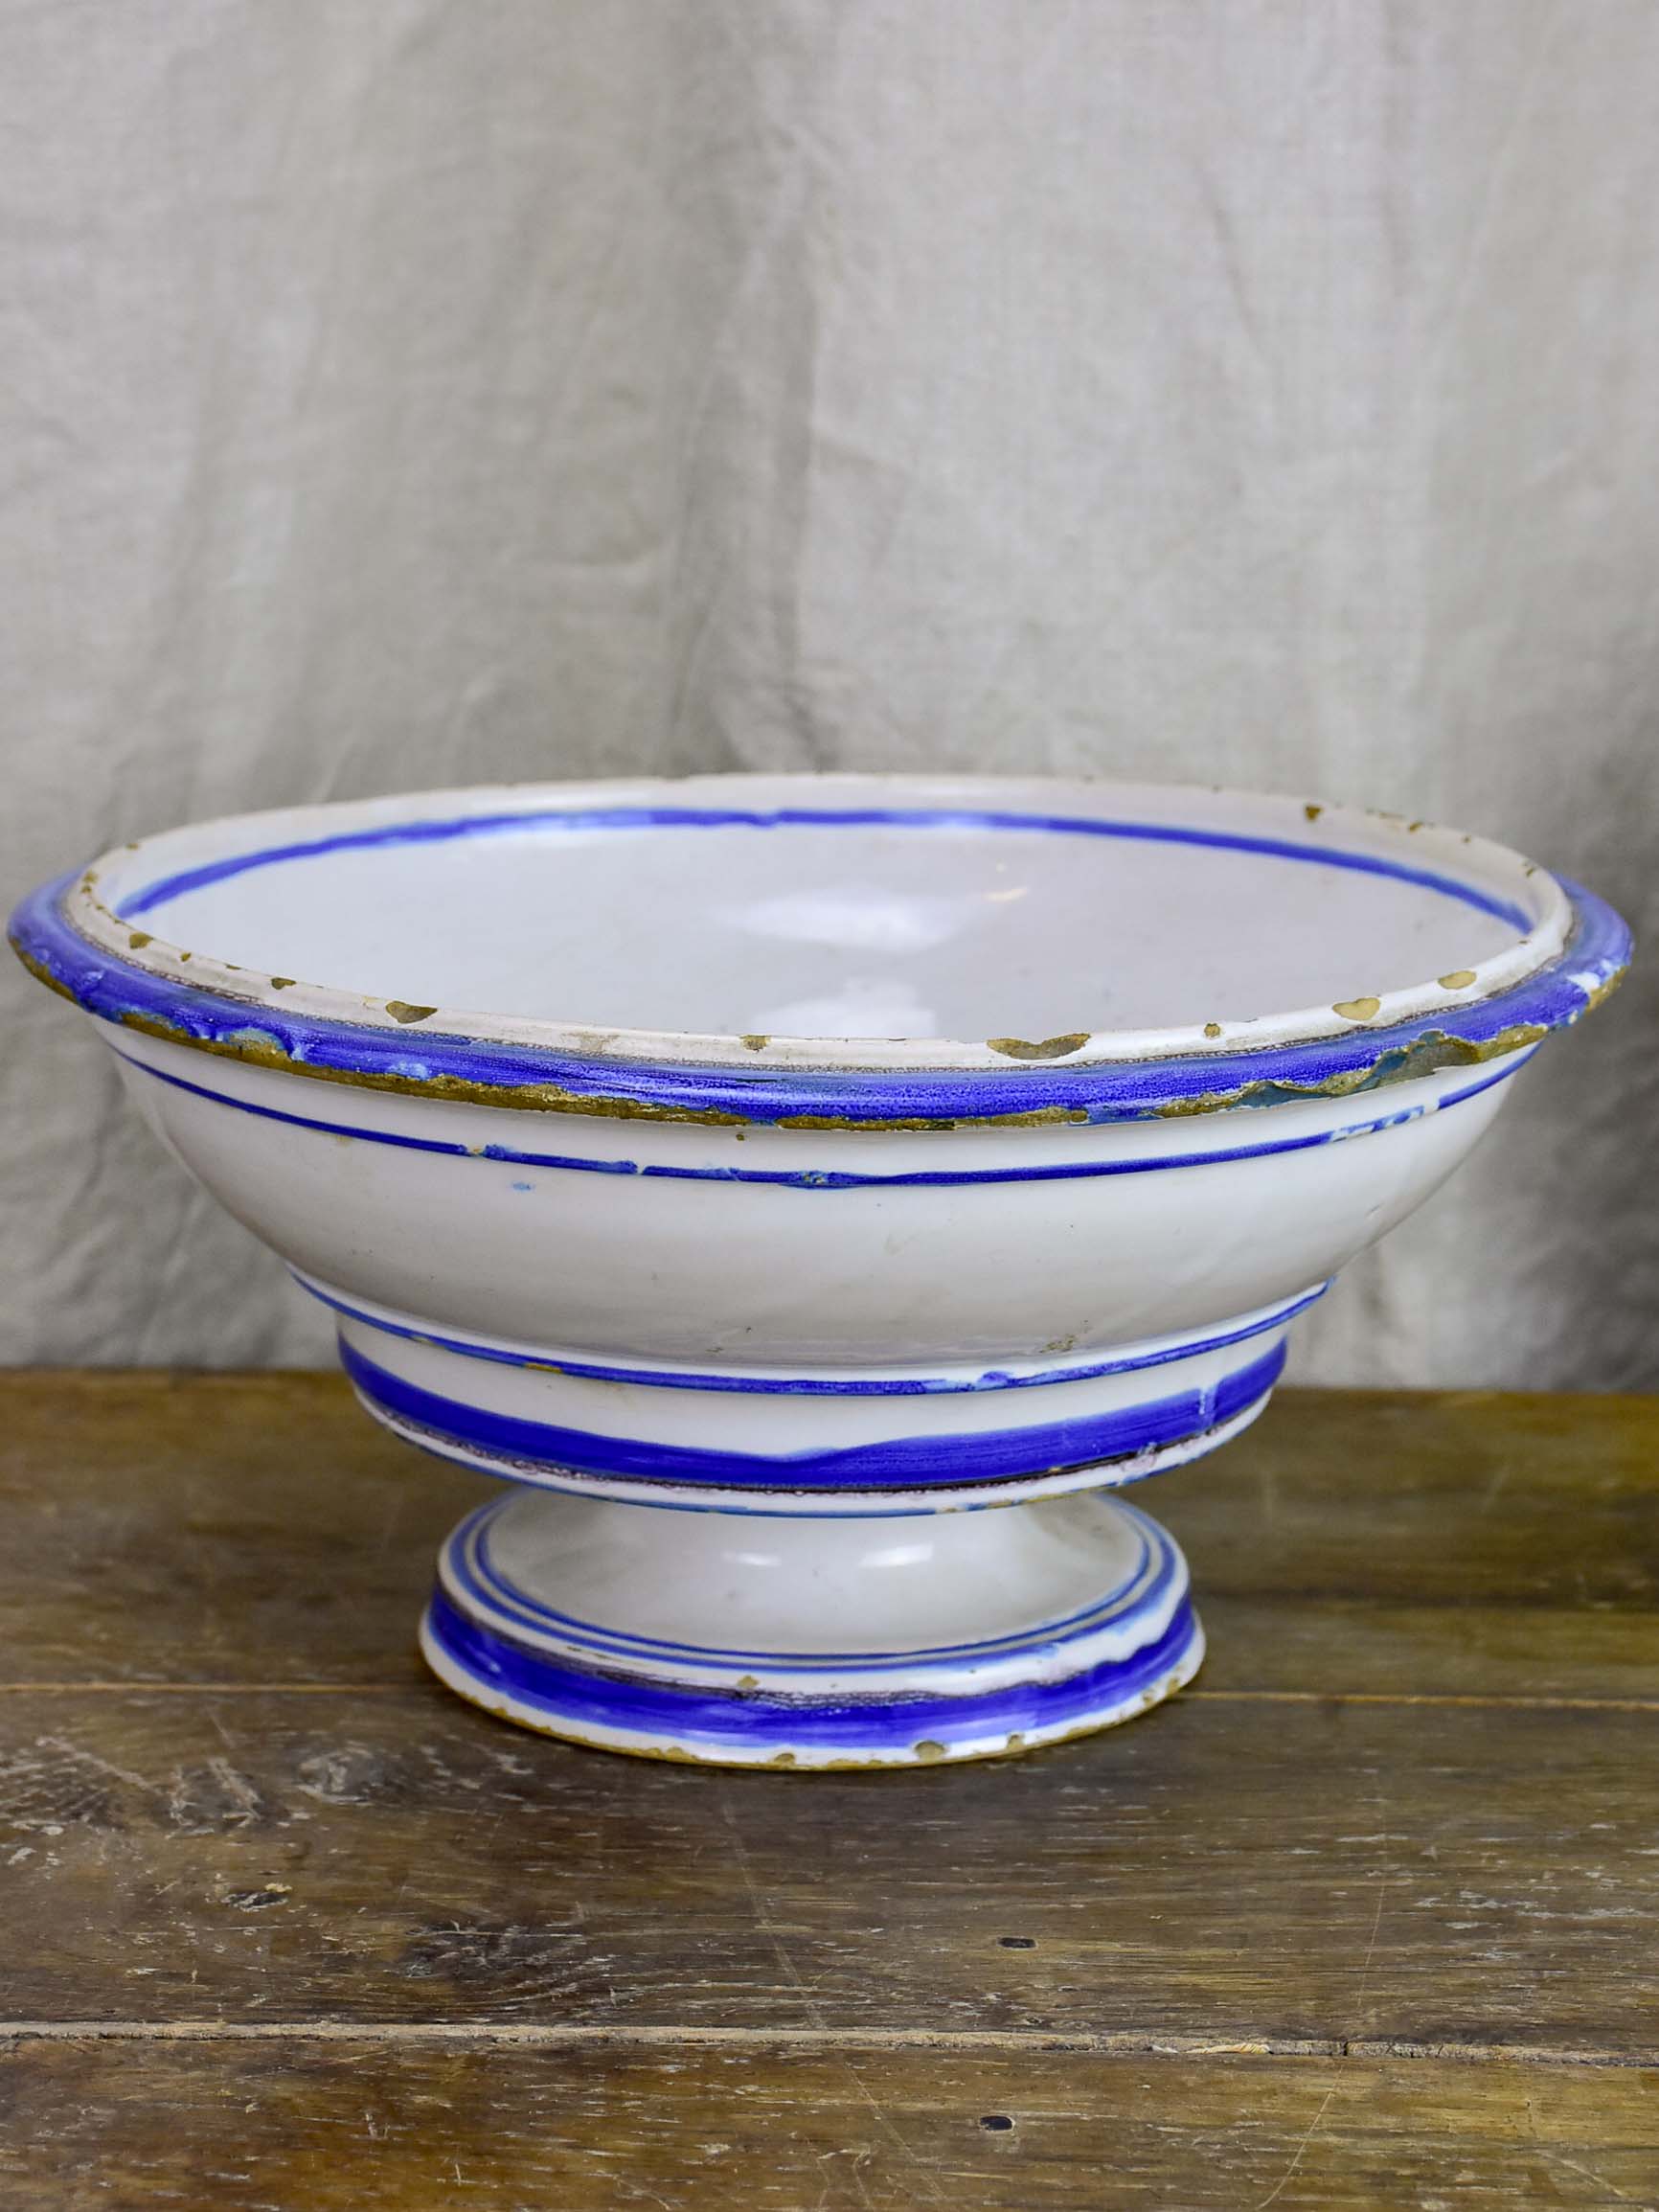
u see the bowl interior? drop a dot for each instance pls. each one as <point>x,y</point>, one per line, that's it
<point>827,919</point>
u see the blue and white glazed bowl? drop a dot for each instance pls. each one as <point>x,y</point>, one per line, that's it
<point>827,1158</point>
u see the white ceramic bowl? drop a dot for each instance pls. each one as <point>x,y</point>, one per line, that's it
<point>829,1154</point>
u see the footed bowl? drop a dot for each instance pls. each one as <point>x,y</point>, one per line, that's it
<point>767,1176</point>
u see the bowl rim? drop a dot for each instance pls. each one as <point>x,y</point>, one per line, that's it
<point>1571,952</point>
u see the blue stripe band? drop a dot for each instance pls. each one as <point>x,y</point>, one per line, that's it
<point>487,1589</point>
<point>814,1385</point>
<point>896,1463</point>
<point>1360,1058</point>
<point>575,1162</point>
<point>835,1179</point>
<point>464,826</point>
<point>613,1701</point>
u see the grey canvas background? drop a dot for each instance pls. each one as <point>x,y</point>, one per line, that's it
<point>432,391</point>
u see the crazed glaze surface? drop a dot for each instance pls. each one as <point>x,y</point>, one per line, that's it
<point>834,1287</point>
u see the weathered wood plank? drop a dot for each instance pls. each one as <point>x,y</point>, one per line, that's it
<point>1289,1645</point>
<point>294,2127</point>
<point>262,1529</point>
<point>249,1527</point>
<point>1431,1499</point>
<point>1242,1870</point>
<point>1408,1812</point>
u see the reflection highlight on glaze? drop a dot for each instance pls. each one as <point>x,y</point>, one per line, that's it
<point>856,917</point>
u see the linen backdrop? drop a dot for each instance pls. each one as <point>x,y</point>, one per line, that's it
<point>430,390</point>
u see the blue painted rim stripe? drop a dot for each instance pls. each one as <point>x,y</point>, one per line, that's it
<point>612,1702</point>
<point>461,828</point>
<point>835,1179</point>
<point>117,990</point>
<point>502,1154</point>
<point>1144,1588</point>
<point>814,1385</point>
<point>896,1463</point>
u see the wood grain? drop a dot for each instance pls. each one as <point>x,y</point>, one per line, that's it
<point>1371,1917</point>
<point>1242,1871</point>
<point>293,2127</point>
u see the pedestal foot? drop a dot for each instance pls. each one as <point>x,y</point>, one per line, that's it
<point>755,1640</point>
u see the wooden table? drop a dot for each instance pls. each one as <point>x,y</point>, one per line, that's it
<point>1369,1917</point>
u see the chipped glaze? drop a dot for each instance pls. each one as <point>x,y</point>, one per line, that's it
<point>644,1237</point>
